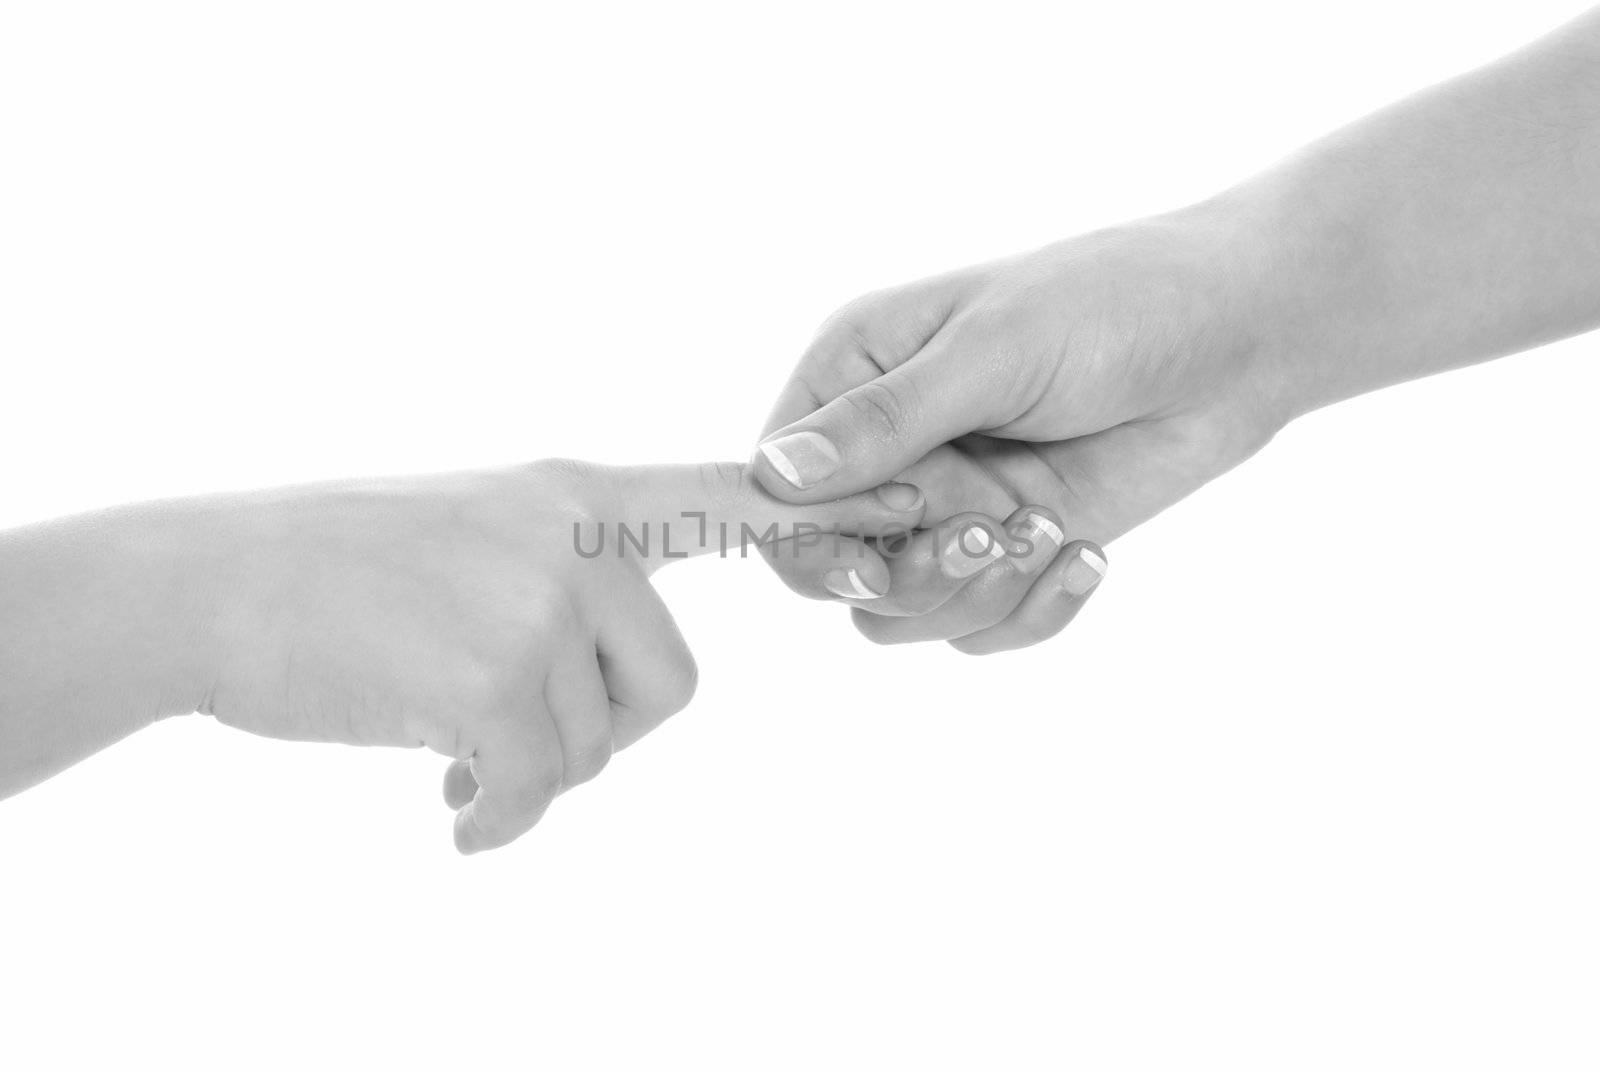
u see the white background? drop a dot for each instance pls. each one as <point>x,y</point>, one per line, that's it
<point>1312,782</point>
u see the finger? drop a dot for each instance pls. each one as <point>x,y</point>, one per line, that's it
<point>955,479</point>
<point>648,670</point>
<point>677,511</point>
<point>581,710</point>
<point>518,766</point>
<point>955,484</point>
<point>935,563</point>
<point>1034,537</point>
<point>869,434</point>
<point>830,567</point>
<point>1048,607</point>
<point>459,784</point>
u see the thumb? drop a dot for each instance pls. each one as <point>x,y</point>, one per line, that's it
<point>869,434</point>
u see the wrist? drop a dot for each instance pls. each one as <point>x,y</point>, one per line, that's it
<point>1234,383</point>
<point>169,560</point>
<point>1273,274</point>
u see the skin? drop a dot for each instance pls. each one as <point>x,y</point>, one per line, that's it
<point>1107,376</point>
<point>1078,389</point>
<point>451,612</point>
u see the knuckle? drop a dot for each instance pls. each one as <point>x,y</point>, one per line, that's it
<point>480,688</point>
<point>723,480</point>
<point>984,320</point>
<point>919,595</point>
<point>885,411</point>
<point>533,793</point>
<point>848,325</point>
<point>989,600</point>
<point>1048,514</point>
<point>561,469</point>
<point>842,343</point>
<point>495,821</point>
<point>572,489</point>
<point>499,652</point>
<point>588,760</point>
<point>551,602</point>
<point>550,611</point>
<point>581,493</point>
<point>679,683</point>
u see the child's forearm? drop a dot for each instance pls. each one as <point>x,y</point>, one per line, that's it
<point>102,622</point>
<point>1459,225</point>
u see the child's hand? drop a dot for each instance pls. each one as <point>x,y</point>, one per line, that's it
<point>501,618</point>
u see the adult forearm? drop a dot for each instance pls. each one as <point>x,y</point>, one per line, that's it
<point>1457,226</point>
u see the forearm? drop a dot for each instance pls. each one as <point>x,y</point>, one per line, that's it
<point>102,619</point>
<point>1457,226</point>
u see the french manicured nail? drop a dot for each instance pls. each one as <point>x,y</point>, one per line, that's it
<point>903,497</point>
<point>1043,538</point>
<point>804,458</point>
<point>848,584</point>
<point>971,550</point>
<point>1083,572</point>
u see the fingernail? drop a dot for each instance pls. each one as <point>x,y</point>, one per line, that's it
<point>969,551</point>
<point>1083,572</point>
<point>804,458</point>
<point>903,497</point>
<point>848,584</point>
<point>1042,539</point>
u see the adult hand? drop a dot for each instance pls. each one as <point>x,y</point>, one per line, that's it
<point>1110,375</point>
<point>1096,381</point>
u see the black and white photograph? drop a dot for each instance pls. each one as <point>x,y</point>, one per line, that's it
<point>845,535</point>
